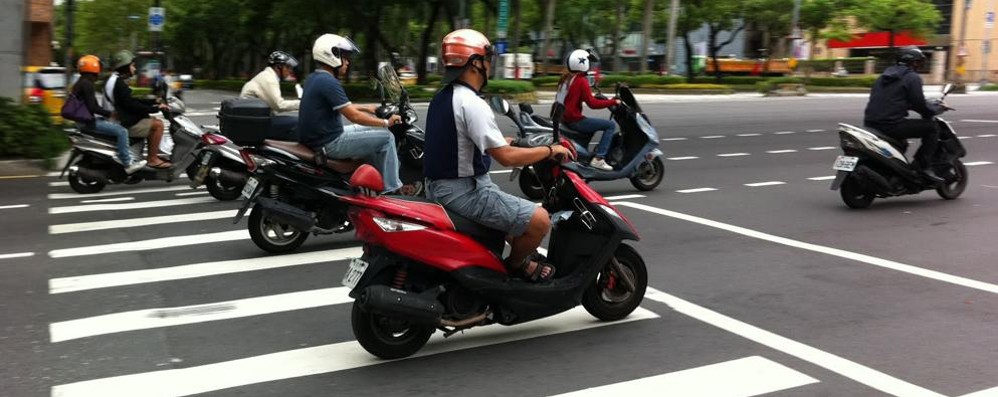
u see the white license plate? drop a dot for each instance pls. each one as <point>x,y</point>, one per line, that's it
<point>354,273</point>
<point>845,163</point>
<point>250,187</point>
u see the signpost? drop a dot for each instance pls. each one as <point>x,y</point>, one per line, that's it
<point>157,17</point>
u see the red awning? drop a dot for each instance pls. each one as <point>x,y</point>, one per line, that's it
<point>877,39</point>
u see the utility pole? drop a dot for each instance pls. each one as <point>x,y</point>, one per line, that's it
<point>155,35</point>
<point>70,9</point>
<point>646,34</point>
<point>670,45</point>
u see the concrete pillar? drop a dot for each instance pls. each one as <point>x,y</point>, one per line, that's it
<point>870,67</point>
<point>11,47</point>
<point>937,72</point>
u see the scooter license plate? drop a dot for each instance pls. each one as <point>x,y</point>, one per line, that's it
<point>250,187</point>
<point>845,163</point>
<point>354,273</point>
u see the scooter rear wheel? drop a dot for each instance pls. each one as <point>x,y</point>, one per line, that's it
<point>85,186</point>
<point>853,195</point>
<point>222,191</point>
<point>271,236</point>
<point>608,298</point>
<point>955,188</point>
<point>648,175</point>
<point>387,337</point>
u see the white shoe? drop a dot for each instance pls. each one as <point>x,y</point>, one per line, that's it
<point>600,164</point>
<point>134,166</point>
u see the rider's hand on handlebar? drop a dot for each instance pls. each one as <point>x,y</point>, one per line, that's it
<point>560,152</point>
<point>394,119</point>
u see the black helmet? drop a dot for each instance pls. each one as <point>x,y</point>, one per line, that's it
<point>909,55</point>
<point>282,58</point>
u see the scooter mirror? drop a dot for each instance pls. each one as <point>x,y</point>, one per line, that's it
<point>499,105</point>
<point>299,90</point>
<point>947,88</point>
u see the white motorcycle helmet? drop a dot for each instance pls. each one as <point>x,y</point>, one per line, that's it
<point>579,61</point>
<point>330,49</point>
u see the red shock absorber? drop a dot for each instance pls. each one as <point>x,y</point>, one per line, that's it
<point>400,276</point>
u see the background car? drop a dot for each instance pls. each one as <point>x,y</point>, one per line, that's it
<point>46,86</point>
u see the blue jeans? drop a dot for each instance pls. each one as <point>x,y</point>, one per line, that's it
<point>282,128</point>
<point>589,125</point>
<point>116,130</point>
<point>376,146</point>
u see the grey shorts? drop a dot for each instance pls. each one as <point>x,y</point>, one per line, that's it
<point>480,200</point>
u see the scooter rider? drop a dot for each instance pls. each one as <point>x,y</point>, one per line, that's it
<point>573,90</point>
<point>266,86</point>
<point>323,100</point>
<point>462,137</point>
<point>133,112</point>
<point>84,89</point>
<point>898,90</point>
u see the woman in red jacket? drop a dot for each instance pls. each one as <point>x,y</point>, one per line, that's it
<point>573,89</point>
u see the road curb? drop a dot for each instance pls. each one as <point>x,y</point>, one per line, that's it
<point>19,167</point>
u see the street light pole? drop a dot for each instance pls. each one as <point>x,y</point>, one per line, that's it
<point>670,46</point>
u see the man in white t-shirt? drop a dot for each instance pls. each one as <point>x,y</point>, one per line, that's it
<point>266,86</point>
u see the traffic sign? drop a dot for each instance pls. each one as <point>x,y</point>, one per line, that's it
<point>501,47</point>
<point>157,17</point>
<point>503,22</point>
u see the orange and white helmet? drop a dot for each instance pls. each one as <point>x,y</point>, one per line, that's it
<point>462,46</point>
<point>88,64</point>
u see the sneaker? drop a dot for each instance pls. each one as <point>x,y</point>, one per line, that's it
<point>600,164</point>
<point>134,166</point>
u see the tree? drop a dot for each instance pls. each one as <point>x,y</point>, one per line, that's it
<point>646,34</point>
<point>920,17</point>
<point>548,31</point>
<point>721,16</point>
<point>824,19</point>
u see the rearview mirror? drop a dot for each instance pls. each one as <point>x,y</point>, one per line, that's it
<point>299,90</point>
<point>947,88</point>
<point>499,105</point>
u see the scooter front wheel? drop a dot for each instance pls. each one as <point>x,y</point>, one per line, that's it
<point>387,337</point>
<point>955,185</point>
<point>530,184</point>
<point>619,288</point>
<point>648,175</point>
<point>272,236</point>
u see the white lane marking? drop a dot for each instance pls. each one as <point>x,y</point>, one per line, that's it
<point>784,132</point>
<point>17,255</point>
<point>697,190</point>
<point>733,154</point>
<point>674,139</point>
<point>712,137</point>
<point>976,163</point>
<point>992,392</point>
<point>822,178</point>
<point>682,158</point>
<point>107,200</point>
<point>58,196</point>
<point>871,260</point>
<point>751,134</point>
<point>156,243</point>
<point>760,184</point>
<point>129,206</point>
<point>816,130</point>
<point>55,173</point>
<point>189,194</point>
<point>56,184</point>
<point>745,377</point>
<point>981,121</point>
<point>964,137</point>
<point>197,270</point>
<point>781,151</point>
<point>181,315</point>
<point>986,136</point>
<point>624,197</point>
<point>10,207</point>
<point>860,373</point>
<point>136,222</point>
<point>822,148</point>
<point>319,360</point>
<point>501,171</point>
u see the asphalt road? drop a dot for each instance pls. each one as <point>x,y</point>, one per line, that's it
<point>764,283</point>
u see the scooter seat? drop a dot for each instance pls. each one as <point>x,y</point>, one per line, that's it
<point>107,138</point>
<point>901,145</point>
<point>304,153</point>
<point>494,240</point>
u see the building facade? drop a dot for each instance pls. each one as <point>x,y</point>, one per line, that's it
<point>11,47</point>
<point>975,57</point>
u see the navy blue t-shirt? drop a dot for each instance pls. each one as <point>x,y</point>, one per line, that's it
<point>319,112</point>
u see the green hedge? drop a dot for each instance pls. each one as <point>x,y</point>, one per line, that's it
<point>508,87</point>
<point>853,65</point>
<point>26,131</point>
<point>989,87</point>
<point>860,82</point>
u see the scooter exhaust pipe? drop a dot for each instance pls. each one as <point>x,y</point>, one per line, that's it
<point>287,214</point>
<point>229,177</point>
<point>413,307</point>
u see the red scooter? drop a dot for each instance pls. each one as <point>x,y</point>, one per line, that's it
<point>425,268</point>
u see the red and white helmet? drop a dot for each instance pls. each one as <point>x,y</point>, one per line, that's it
<point>462,46</point>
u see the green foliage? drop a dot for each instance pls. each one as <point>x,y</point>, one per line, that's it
<point>104,27</point>
<point>855,82</point>
<point>508,87</point>
<point>688,86</point>
<point>918,16</point>
<point>989,87</point>
<point>27,131</point>
<point>730,80</point>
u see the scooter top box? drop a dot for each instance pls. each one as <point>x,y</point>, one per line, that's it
<point>246,121</point>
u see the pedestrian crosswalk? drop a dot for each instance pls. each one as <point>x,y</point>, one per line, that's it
<point>179,304</point>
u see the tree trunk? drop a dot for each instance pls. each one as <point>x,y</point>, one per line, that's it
<point>713,48</point>
<point>617,29</point>
<point>514,42</point>
<point>424,44</point>
<point>689,56</point>
<point>548,29</point>
<point>646,35</point>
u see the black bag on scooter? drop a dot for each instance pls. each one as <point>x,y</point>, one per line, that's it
<point>246,121</point>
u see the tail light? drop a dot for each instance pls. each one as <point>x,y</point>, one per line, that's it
<point>248,159</point>
<point>214,139</point>
<point>36,95</point>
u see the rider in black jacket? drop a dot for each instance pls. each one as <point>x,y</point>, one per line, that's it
<point>896,92</point>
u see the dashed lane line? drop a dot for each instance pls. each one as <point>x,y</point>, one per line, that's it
<point>682,158</point>
<point>712,137</point>
<point>822,178</point>
<point>761,184</point>
<point>750,134</point>
<point>781,151</point>
<point>17,255</point>
<point>822,148</point>
<point>987,136</point>
<point>816,130</point>
<point>697,190</point>
<point>107,200</point>
<point>977,163</point>
<point>14,206</point>
<point>784,132</point>
<point>733,154</point>
<point>674,139</point>
<point>981,121</point>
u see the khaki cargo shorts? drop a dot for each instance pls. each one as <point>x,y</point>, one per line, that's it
<point>141,129</point>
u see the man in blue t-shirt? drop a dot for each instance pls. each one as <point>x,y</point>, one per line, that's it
<point>322,102</point>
